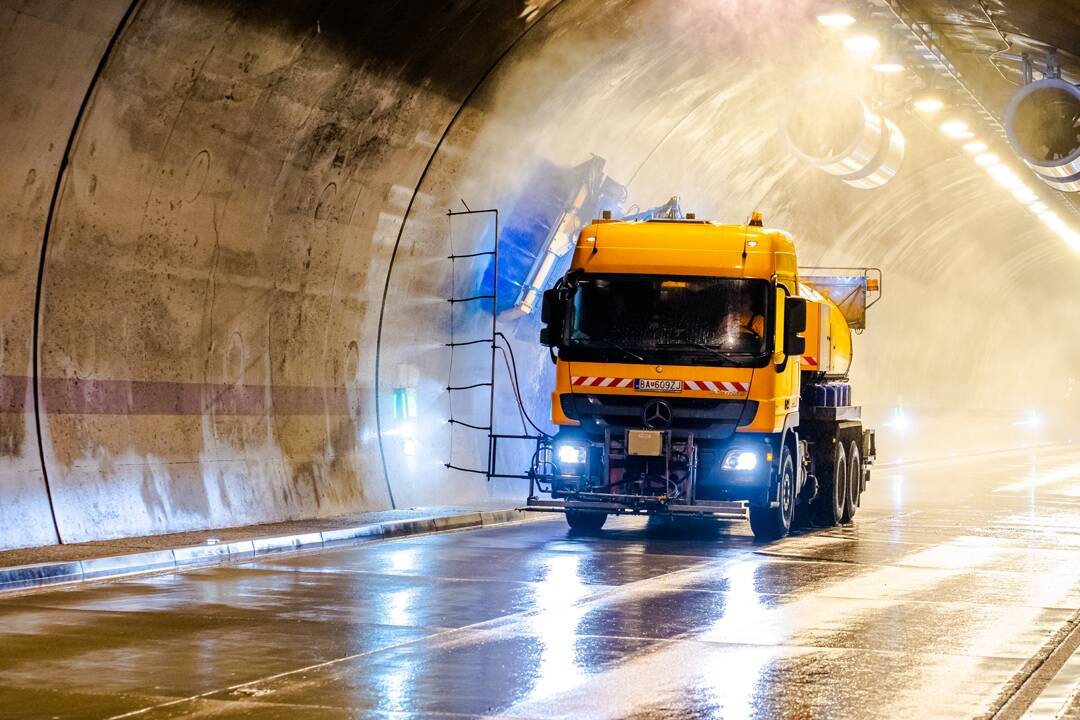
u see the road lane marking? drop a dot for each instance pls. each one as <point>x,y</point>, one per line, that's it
<point>494,627</point>
<point>746,624</point>
<point>1043,478</point>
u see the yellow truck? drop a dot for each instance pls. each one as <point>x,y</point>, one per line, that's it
<point>700,373</point>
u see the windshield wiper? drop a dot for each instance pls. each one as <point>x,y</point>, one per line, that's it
<point>702,346</point>
<point>614,346</point>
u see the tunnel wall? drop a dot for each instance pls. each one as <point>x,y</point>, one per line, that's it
<point>42,90</point>
<point>252,228</point>
<point>213,274</point>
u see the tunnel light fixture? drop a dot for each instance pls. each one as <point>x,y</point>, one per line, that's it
<point>1008,179</point>
<point>891,63</point>
<point>1005,177</point>
<point>862,46</point>
<point>956,129</point>
<point>929,100</point>
<point>888,67</point>
<point>836,19</point>
<point>928,104</point>
<point>1025,195</point>
<point>835,14</point>
<point>1053,221</point>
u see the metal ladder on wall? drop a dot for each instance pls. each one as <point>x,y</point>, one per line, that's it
<point>491,469</point>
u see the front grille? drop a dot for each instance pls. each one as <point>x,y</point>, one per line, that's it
<point>639,401</point>
<point>714,417</point>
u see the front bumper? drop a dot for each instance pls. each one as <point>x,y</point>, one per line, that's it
<point>638,505</point>
<point>690,472</point>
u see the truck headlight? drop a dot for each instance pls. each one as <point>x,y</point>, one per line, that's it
<point>572,454</point>
<point>739,459</point>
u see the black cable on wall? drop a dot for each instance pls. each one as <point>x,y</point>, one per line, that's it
<point>54,204</point>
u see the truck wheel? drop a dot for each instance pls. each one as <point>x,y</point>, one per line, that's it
<point>855,471</point>
<point>772,523</point>
<point>585,522</point>
<point>834,490</point>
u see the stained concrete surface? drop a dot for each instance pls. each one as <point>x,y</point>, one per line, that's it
<point>954,575</point>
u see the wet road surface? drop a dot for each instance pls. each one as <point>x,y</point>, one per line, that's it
<point>933,604</point>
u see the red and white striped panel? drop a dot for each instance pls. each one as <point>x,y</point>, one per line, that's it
<point>718,386</point>
<point>811,361</point>
<point>591,381</point>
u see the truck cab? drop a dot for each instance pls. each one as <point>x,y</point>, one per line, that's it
<point>696,375</point>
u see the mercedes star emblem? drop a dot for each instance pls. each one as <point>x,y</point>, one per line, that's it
<point>657,415</point>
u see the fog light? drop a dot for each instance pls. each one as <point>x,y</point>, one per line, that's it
<point>740,460</point>
<point>572,455</point>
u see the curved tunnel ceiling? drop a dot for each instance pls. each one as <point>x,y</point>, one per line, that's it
<point>252,193</point>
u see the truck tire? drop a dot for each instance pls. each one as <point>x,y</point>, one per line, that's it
<point>585,523</point>
<point>833,497</point>
<point>773,523</point>
<point>855,471</point>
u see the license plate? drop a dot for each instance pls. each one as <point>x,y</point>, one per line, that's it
<point>646,385</point>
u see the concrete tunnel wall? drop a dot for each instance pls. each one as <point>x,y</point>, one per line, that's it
<point>246,180</point>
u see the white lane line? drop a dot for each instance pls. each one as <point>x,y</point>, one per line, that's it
<point>561,590</point>
<point>762,633</point>
<point>1042,478</point>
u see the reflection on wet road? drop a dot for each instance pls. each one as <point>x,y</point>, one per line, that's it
<point>954,576</point>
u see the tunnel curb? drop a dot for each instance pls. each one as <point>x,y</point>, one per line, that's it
<point>67,572</point>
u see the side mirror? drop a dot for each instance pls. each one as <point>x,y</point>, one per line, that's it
<point>794,326</point>
<point>552,312</point>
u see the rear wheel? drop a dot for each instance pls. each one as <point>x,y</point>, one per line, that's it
<point>833,497</point>
<point>854,483</point>
<point>771,523</point>
<point>585,522</point>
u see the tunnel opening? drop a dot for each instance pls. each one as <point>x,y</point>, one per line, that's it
<point>248,191</point>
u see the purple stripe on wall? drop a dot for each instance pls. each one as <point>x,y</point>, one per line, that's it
<point>15,394</point>
<point>68,396</point>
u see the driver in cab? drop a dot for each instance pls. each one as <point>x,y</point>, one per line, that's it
<point>742,326</point>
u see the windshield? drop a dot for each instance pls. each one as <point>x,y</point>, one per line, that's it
<point>690,320</point>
